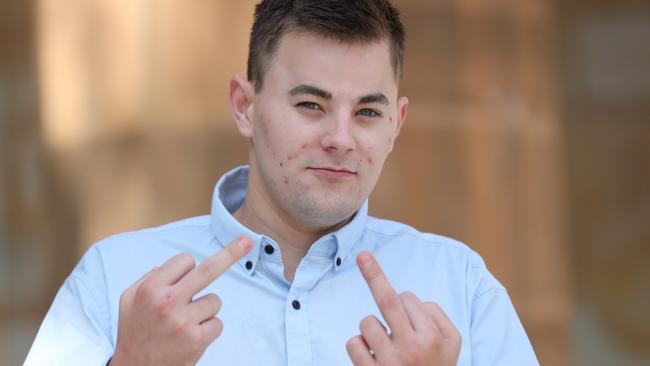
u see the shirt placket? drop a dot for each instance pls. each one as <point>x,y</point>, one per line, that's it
<point>297,310</point>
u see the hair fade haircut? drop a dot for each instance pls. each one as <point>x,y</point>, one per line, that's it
<point>343,20</point>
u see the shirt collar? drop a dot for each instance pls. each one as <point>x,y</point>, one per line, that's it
<point>350,234</point>
<point>228,196</point>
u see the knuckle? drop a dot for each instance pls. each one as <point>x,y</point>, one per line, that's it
<point>353,344</point>
<point>435,305</point>
<point>214,301</point>
<point>388,302</point>
<point>439,344</point>
<point>407,295</point>
<point>218,324</point>
<point>412,354</point>
<point>147,291</point>
<point>186,259</point>
<point>428,338</point>
<point>366,323</point>
<point>165,305</point>
<point>212,331</point>
<point>178,324</point>
<point>125,298</point>
<point>455,337</point>
<point>195,335</point>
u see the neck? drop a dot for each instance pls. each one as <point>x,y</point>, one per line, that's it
<point>261,216</point>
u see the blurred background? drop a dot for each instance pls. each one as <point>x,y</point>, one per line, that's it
<point>528,137</point>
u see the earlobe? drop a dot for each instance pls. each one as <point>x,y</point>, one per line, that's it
<point>241,104</point>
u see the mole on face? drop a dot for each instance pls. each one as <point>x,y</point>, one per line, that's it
<point>281,164</point>
<point>390,119</point>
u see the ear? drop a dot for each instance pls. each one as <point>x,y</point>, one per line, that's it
<point>402,107</point>
<point>241,104</point>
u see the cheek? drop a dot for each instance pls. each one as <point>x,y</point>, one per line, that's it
<point>368,155</point>
<point>375,150</point>
<point>295,154</point>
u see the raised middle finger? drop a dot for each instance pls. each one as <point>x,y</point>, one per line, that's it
<point>211,268</point>
<point>389,304</point>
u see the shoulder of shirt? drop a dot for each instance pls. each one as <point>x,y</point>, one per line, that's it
<point>397,229</point>
<point>475,266</point>
<point>196,224</point>
<point>479,278</point>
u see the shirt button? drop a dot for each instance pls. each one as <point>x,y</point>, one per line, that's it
<point>338,261</point>
<point>268,248</point>
<point>249,265</point>
<point>296,304</point>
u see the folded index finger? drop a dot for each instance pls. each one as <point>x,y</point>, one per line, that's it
<point>213,267</point>
<point>389,304</point>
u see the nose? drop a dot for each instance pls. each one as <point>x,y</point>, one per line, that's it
<point>338,135</point>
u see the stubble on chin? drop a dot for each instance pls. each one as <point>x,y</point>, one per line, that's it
<point>320,208</point>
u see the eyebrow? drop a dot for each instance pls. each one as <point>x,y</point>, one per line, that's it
<point>310,90</point>
<point>374,98</point>
<point>305,89</point>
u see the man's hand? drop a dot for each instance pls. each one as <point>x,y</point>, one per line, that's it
<point>420,333</point>
<point>160,324</point>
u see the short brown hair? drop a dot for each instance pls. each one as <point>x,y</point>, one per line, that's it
<point>344,20</point>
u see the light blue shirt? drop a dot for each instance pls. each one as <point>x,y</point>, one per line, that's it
<point>261,326</point>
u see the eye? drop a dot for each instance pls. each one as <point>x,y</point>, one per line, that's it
<point>369,113</point>
<point>309,105</point>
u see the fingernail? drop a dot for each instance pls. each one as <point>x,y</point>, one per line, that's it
<point>364,260</point>
<point>245,243</point>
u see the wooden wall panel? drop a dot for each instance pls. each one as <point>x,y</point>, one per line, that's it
<point>134,128</point>
<point>481,155</point>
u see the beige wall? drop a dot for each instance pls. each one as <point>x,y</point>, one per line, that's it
<point>114,117</point>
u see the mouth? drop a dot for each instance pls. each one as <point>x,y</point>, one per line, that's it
<point>332,172</point>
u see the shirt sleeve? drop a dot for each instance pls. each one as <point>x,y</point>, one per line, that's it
<point>497,336</point>
<point>76,329</point>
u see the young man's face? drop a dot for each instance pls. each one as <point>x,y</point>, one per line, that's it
<point>322,126</point>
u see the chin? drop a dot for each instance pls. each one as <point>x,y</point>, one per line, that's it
<point>325,215</point>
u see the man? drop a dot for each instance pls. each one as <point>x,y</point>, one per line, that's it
<point>292,270</point>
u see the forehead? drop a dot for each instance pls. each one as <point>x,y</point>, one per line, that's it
<point>339,67</point>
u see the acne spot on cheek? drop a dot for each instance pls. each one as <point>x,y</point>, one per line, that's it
<point>369,160</point>
<point>390,119</point>
<point>286,180</point>
<point>304,146</point>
